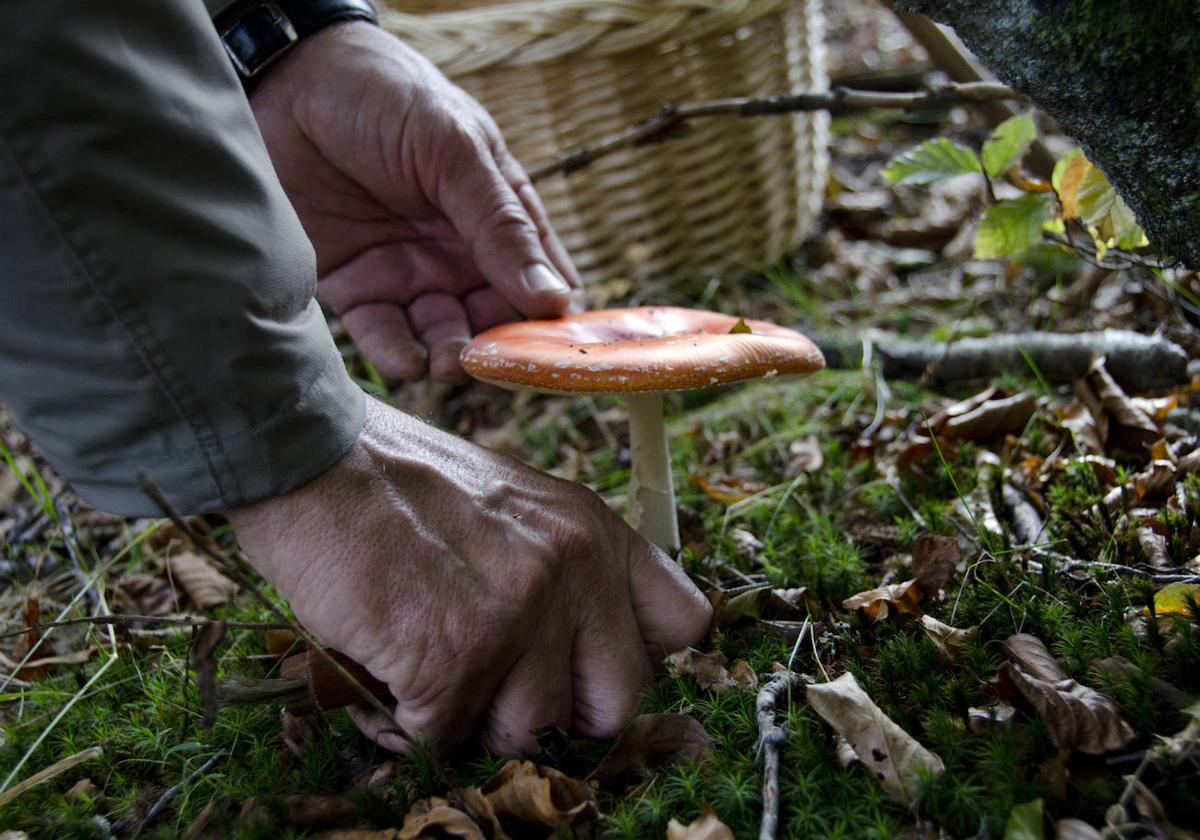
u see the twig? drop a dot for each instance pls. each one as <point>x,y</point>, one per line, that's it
<point>123,618</point>
<point>670,117</point>
<point>231,568</point>
<point>771,736</point>
<point>172,792</point>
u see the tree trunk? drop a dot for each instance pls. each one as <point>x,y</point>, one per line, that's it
<point>1123,78</point>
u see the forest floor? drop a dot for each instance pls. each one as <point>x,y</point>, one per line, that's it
<point>1006,568</point>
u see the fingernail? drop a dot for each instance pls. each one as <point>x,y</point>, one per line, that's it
<point>539,278</point>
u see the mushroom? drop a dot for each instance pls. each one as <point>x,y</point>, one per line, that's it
<point>640,352</point>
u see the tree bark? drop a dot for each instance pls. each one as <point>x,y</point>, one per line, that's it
<point>1122,78</point>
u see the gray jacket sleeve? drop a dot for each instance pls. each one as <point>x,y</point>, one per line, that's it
<point>157,308</point>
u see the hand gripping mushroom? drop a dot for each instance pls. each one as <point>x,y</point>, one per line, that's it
<point>640,352</point>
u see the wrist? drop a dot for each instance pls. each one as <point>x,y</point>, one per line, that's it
<point>257,35</point>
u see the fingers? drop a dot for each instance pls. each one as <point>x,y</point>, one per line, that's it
<point>503,240</point>
<point>380,728</point>
<point>487,308</point>
<point>440,321</point>
<point>671,612</point>
<point>537,693</point>
<point>382,333</point>
<point>611,669</point>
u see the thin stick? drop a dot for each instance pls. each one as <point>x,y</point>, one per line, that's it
<point>771,736</point>
<point>231,568</point>
<point>173,791</point>
<point>43,776</point>
<point>840,100</point>
<point>129,618</point>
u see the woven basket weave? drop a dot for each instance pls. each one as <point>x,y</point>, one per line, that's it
<point>728,198</point>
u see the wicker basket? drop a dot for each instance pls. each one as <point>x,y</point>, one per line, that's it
<point>728,198</point>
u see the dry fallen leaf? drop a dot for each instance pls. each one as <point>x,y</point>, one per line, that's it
<point>900,598</point>
<point>434,818</point>
<point>708,669</point>
<point>993,418</point>
<point>1129,428</point>
<point>654,741</point>
<point>747,546</point>
<point>934,560</point>
<point>1073,829</point>
<point>705,827</point>
<point>1076,717</point>
<point>951,642</point>
<point>891,755</point>
<point>319,810</point>
<point>139,593</point>
<point>728,489</point>
<point>535,795</point>
<point>200,579</point>
<point>742,674</point>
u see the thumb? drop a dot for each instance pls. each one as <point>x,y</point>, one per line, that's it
<point>503,240</point>
<point>671,612</point>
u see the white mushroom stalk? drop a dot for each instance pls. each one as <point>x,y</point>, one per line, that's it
<point>651,507</point>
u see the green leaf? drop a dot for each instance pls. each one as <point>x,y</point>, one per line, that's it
<point>932,161</point>
<point>1008,144</point>
<point>740,327</point>
<point>1009,227</point>
<point>1025,822</point>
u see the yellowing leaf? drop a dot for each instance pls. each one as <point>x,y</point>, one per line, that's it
<point>901,598</point>
<point>889,754</point>
<point>951,642</point>
<point>727,489</point>
<point>1008,144</point>
<point>1068,173</point>
<point>1088,196</point>
<point>1008,228</point>
<point>741,327</point>
<point>1176,599</point>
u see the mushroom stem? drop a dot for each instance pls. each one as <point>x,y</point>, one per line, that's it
<point>651,490</point>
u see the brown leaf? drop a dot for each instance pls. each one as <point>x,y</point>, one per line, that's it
<point>1086,429</point>
<point>213,820</point>
<point>889,753</point>
<point>200,579</point>
<point>32,645</point>
<point>934,560</point>
<point>1075,716</point>
<point>139,593</point>
<point>708,669</point>
<point>434,818</point>
<point>1130,428</point>
<point>742,675</point>
<point>761,602</point>
<point>536,795</point>
<point>653,741</point>
<point>300,732</point>
<point>747,546</point>
<point>951,642</point>
<point>992,419</point>
<point>899,598</point>
<point>705,827</point>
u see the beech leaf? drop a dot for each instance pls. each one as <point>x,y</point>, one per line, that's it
<point>435,817</point>
<point>935,557</point>
<point>205,586</point>
<point>932,161</point>
<point>535,795</point>
<point>891,755</point>
<point>652,741</point>
<point>992,418</point>
<point>1025,822</point>
<point>1076,717</point>
<point>900,598</point>
<point>951,642</point>
<point>708,669</point>
<point>1008,144</point>
<point>1176,599</point>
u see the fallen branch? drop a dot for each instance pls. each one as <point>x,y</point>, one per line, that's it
<point>667,122</point>
<point>1138,362</point>
<point>771,736</point>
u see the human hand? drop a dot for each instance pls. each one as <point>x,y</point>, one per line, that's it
<point>478,589</point>
<point>426,229</point>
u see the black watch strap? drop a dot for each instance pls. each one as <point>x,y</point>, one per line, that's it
<point>257,35</point>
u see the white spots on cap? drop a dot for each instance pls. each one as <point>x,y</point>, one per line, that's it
<point>599,368</point>
<point>770,373</point>
<point>565,363</point>
<point>531,366</point>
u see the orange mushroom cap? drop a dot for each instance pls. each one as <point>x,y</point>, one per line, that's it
<point>646,348</point>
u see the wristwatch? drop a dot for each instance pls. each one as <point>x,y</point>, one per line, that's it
<point>256,35</point>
